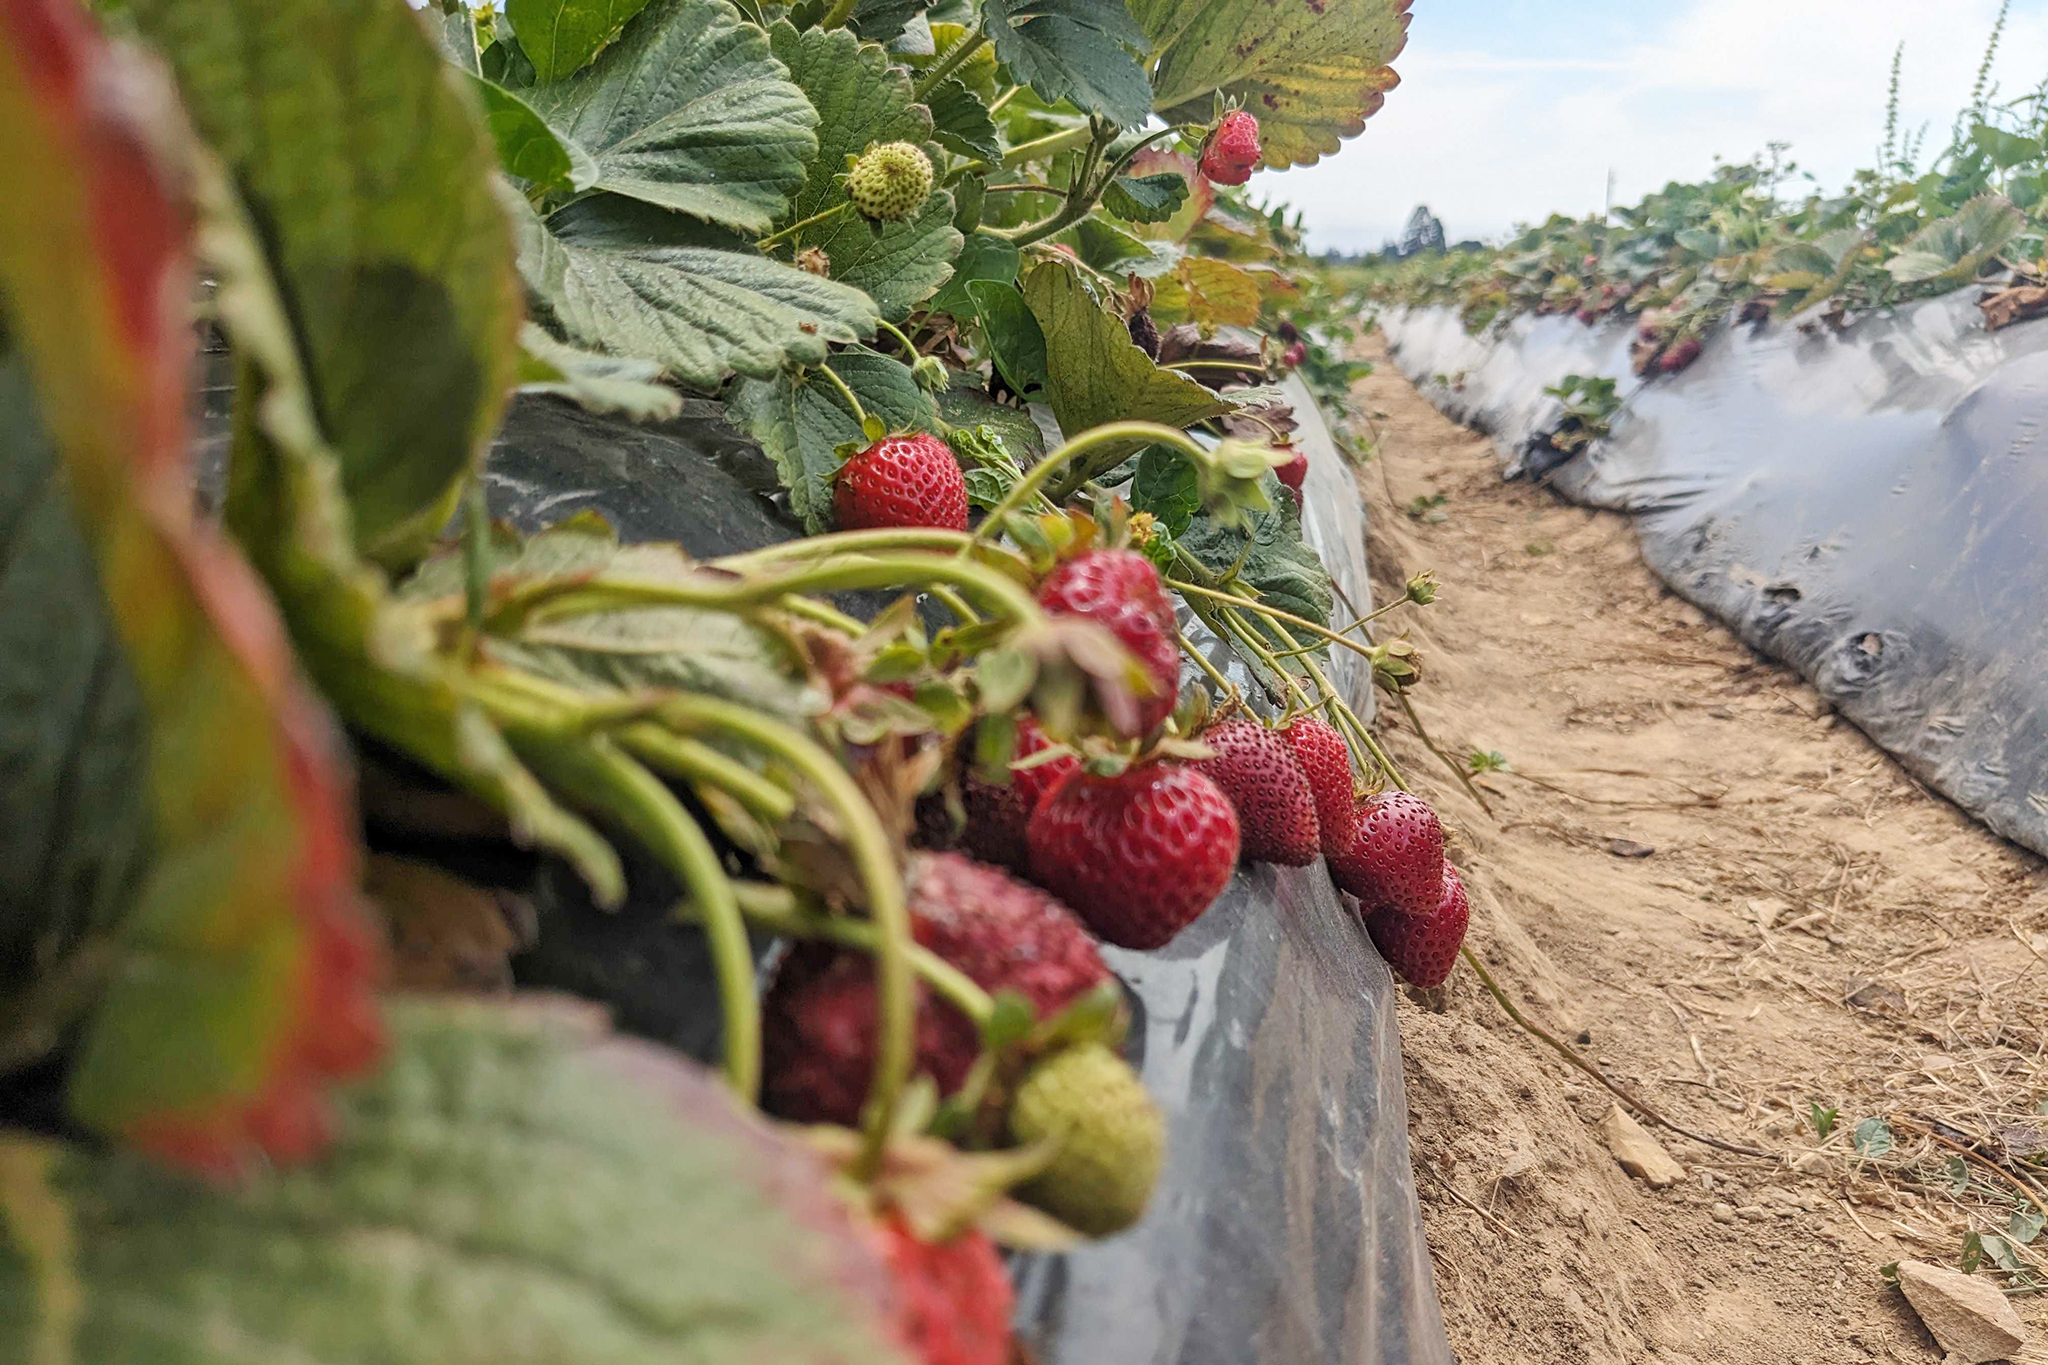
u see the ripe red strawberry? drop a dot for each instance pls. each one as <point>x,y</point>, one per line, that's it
<point>1120,589</point>
<point>903,480</point>
<point>1327,762</point>
<point>1295,471</point>
<point>956,1296</point>
<point>1276,810</point>
<point>1294,355</point>
<point>1422,949</point>
<point>1139,856</point>
<point>1232,152</point>
<point>1396,855</point>
<point>818,1039</point>
<point>997,815</point>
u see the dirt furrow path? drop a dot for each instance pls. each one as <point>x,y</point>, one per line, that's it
<point>1809,926</point>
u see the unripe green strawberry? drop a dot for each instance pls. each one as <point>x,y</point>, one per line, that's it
<point>891,181</point>
<point>1111,1139</point>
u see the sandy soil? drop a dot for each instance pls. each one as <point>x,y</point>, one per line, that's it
<point>1811,927</point>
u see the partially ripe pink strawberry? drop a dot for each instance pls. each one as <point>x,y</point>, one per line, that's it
<point>819,1018</point>
<point>904,480</point>
<point>1295,472</point>
<point>1679,354</point>
<point>998,814</point>
<point>1396,855</point>
<point>1422,949</point>
<point>1120,590</point>
<point>1276,811</point>
<point>1232,152</point>
<point>1326,760</point>
<point>1294,355</point>
<point>1139,856</point>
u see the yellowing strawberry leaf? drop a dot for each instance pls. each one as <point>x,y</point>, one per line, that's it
<point>1082,51</point>
<point>560,37</point>
<point>1096,373</point>
<point>861,100</point>
<point>406,303</point>
<point>639,281</point>
<point>689,111</point>
<point>1202,289</point>
<point>205,918</point>
<point>801,421</point>
<point>516,1185</point>
<point>1955,248</point>
<point>530,150</point>
<point>1146,198</point>
<point>1312,71</point>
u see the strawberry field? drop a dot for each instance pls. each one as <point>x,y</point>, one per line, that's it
<point>648,644</point>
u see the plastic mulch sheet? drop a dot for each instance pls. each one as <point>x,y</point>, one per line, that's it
<point>1870,507</point>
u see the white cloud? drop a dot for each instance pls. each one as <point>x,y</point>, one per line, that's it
<point>1487,139</point>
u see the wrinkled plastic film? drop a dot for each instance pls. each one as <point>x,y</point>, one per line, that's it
<point>1869,506</point>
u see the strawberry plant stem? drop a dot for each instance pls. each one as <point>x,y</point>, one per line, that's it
<point>1457,768</point>
<point>846,396</point>
<point>1274,614</point>
<point>1052,144</point>
<point>1042,473</point>
<point>1538,1031</point>
<point>840,14</point>
<point>956,57</point>
<point>700,765</point>
<point>823,215</point>
<point>875,861</point>
<point>1224,684</point>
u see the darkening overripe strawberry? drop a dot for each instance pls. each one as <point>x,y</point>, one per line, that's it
<point>955,1296</point>
<point>1679,354</point>
<point>1396,855</point>
<point>1327,763</point>
<point>1140,855</point>
<point>819,1019</point>
<point>1276,810</point>
<point>1422,949</point>
<point>1232,151</point>
<point>1120,590</point>
<point>998,813</point>
<point>903,480</point>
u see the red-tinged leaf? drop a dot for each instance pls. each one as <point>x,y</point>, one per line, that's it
<point>231,977</point>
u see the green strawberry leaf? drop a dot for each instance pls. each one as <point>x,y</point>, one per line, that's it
<point>883,21</point>
<point>1082,51</point>
<point>1096,373</point>
<point>1279,566</point>
<point>1954,249</point>
<point>1165,486</point>
<point>561,37</point>
<point>861,100</point>
<point>801,422</point>
<point>528,149</point>
<point>984,257</point>
<point>688,111</point>
<point>1312,72</point>
<point>964,403</point>
<point>961,122</point>
<point>406,302</point>
<point>1105,246</point>
<point>1016,342</point>
<point>638,281</point>
<point>1146,198</point>
<point>597,383</point>
<point>179,852</point>
<point>515,1185</point>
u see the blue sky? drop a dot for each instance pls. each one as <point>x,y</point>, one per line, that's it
<point>1509,110</point>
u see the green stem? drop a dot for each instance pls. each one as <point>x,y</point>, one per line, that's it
<point>1123,162</point>
<point>874,859</point>
<point>700,765</point>
<point>954,59</point>
<point>953,603</point>
<point>1276,615</point>
<point>1239,627</point>
<point>1052,144</point>
<point>1042,472</point>
<point>1002,101</point>
<point>840,542</point>
<point>1348,719</point>
<point>811,609</point>
<point>1081,197</point>
<point>1223,684</point>
<point>597,774</point>
<point>823,215</point>
<point>1021,187</point>
<point>1239,366</point>
<point>840,13</point>
<point>909,346</point>
<point>1359,624</point>
<point>847,395</point>
<point>777,909</point>
<point>840,573</point>
<point>1457,769</point>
